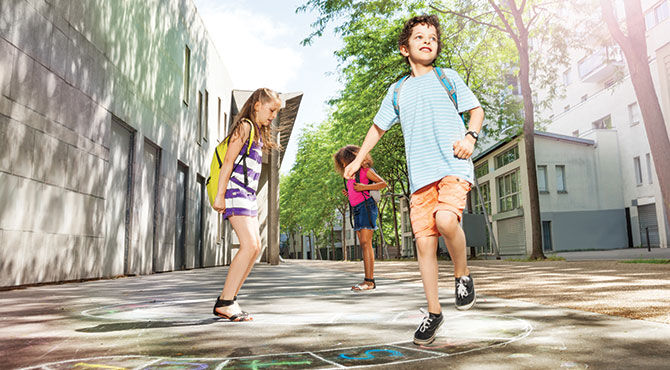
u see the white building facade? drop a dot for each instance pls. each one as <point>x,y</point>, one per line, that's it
<point>599,95</point>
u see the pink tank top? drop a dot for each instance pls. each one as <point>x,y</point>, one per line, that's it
<point>356,197</point>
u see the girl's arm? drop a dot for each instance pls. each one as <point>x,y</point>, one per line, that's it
<point>379,183</point>
<point>371,139</point>
<point>235,144</point>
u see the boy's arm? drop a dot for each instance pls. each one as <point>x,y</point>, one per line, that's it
<point>463,148</point>
<point>371,139</point>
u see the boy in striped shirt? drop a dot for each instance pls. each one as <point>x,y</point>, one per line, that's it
<point>438,149</point>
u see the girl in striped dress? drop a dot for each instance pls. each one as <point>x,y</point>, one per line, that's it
<point>236,192</point>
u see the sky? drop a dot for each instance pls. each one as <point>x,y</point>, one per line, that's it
<point>259,42</point>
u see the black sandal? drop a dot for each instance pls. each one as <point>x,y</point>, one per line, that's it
<point>360,287</point>
<point>242,316</point>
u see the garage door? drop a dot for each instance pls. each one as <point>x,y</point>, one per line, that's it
<point>512,235</point>
<point>647,217</point>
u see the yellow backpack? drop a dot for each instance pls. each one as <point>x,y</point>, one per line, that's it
<point>217,162</point>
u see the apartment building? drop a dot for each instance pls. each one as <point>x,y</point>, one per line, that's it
<point>599,96</point>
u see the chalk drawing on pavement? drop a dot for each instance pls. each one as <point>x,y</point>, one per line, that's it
<point>461,333</point>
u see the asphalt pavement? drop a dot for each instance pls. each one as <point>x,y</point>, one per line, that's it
<point>305,317</point>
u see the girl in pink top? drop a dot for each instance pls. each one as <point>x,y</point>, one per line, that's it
<point>363,207</point>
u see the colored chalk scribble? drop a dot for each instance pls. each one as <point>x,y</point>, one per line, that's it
<point>368,355</point>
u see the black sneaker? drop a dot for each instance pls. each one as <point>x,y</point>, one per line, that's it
<point>425,334</point>
<point>465,293</point>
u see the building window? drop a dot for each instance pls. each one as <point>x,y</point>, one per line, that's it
<point>486,195</point>
<point>566,108</point>
<point>649,173</point>
<point>560,179</point>
<point>638,170</point>
<point>508,191</point>
<point>187,73</point>
<point>542,179</point>
<point>575,133</point>
<point>199,102</point>
<point>205,126</point>
<point>657,15</point>
<point>482,169</point>
<point>567,77</point>
<point>508,156</point>
<point>633,114</point>
<point>603,123</point>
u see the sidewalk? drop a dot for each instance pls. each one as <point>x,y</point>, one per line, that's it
<point>305,317</point>
<point>615,254</point>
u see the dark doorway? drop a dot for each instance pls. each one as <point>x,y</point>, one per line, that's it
<point>180,225</point>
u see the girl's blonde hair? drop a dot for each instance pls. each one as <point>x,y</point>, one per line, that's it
<point>262,95</point>
<point>347,155</point>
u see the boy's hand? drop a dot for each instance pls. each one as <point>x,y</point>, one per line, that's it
<point>351,169</point>
<point>463,148</point>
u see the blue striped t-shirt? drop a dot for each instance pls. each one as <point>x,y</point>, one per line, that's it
<point>430,125</point>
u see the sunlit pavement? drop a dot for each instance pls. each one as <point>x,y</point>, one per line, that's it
<point>305,317</point>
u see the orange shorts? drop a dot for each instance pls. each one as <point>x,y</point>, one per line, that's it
<point>448,194</point>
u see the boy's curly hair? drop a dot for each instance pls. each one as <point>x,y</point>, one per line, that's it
<point>430,20</point>
<point>346,155</point>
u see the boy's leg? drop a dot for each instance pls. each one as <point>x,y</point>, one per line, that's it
<point>453,194</point>
<point>454,237</point>
<point>426,248</point>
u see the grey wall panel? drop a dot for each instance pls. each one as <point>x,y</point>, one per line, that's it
<point>579,230</point>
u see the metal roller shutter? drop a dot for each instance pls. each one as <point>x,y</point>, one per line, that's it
<point>647,217</point>
<point>512,235</point>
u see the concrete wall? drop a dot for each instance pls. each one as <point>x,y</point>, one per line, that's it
<point>67,70</point>
<point>588,215</point>
<point>599,229</point>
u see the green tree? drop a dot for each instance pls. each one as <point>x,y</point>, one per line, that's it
<point>370,62</point>
<point>519,20</point>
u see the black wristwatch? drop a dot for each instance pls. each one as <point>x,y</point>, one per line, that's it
<point>474,134</point>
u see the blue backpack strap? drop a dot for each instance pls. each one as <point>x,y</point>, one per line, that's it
<point>450,87</point>
<point>396,92</point>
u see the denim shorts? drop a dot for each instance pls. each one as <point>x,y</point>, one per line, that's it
<point>365,215</point>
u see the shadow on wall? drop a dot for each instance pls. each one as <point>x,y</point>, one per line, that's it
<point>65,69</point>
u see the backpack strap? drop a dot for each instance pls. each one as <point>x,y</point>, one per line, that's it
<point>396,92</point>
<point>246,153</point>
<point>450,87</point>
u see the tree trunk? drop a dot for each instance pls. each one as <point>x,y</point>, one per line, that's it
<point>634,47</point>
<point>529,137</point>
<point>331,256</point>
<point>395,225</point>
<point>344,235</point>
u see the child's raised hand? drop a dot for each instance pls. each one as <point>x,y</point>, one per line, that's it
<point>463,148</point>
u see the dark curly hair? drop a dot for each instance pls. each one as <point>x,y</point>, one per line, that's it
<point>430,20</point>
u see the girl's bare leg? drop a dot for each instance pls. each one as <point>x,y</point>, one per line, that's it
<point>255,227</point>
<point>246,229</point>
<point>365,236</point>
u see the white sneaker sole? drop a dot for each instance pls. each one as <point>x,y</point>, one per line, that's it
<point>421,342</point>
<point>467,306</point>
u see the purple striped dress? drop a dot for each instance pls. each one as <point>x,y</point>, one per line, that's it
<point>241,198</point>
